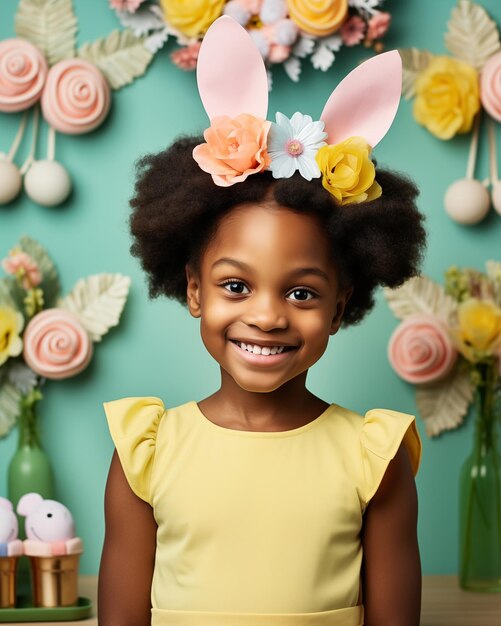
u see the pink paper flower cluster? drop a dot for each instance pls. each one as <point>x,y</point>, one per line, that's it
<point>56,345</point>
<point>126,5</point>
<point>420,350</point>
<point>186,58</point>
<point>75,96</point>
<point>22,266</point>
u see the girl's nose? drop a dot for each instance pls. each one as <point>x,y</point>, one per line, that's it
<point>265,313</point>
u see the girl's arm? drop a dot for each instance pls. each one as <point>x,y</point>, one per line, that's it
<point>128,557</point>
<point>391,567</point>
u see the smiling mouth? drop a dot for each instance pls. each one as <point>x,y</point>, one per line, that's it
<point>253,348</point>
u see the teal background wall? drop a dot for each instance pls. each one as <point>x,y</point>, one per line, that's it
<point>157,350</point>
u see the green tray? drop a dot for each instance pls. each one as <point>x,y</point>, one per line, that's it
<point>26,612</point>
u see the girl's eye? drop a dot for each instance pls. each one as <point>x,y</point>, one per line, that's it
<point>301,295</point>
<point>236,286</point>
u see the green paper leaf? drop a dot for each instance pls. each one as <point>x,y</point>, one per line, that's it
<point>6,297</point>
<point>98,302</point>
<point>9,406</point>
<point>472,36</point>
<point>50,25</point>
<point>414,62</point>
<point>121,57</point>
<point>50,279</point>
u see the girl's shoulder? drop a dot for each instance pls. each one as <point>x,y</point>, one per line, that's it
<point>134,424</point>
<point>375,439</point>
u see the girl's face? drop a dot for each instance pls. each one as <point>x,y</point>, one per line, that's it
<point>267,295</point>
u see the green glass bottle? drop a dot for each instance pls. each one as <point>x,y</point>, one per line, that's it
<point>480,493</point>
<point>30,469</point>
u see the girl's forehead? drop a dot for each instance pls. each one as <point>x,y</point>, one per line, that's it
<point>269,233</point>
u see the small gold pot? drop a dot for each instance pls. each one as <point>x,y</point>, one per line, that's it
<point>55,580</point>
<point>8,570</point>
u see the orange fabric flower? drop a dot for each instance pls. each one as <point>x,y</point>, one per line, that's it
<point>235,148</point>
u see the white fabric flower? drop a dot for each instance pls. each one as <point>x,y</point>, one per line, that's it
<point>293,145</point>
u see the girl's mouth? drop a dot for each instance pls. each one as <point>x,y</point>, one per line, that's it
<point>255,353</point>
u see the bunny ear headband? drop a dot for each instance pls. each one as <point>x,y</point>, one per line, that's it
<point>233,86</point>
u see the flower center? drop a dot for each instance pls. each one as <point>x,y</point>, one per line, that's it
<point>294,147</point>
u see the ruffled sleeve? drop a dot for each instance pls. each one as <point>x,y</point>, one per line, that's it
<point>133,424</point>
<point>382,433</point>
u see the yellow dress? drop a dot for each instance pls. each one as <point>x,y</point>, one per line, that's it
<point>256,528</point>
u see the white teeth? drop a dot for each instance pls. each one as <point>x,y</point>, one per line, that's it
<point>265,350</point>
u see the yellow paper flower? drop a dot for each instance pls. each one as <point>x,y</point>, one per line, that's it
<point>447,97</point>
<point>348,173</point>
<point>11,324</point>
<point>479,332</point>
<point>192,18</point>
<point>318,17</point>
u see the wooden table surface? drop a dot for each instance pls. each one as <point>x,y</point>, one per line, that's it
<point>444,604</point>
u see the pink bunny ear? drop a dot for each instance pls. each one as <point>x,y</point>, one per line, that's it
<point>6,504</point>
<point>231,74</point>
<point>365,103</point>
<point>28,503</point>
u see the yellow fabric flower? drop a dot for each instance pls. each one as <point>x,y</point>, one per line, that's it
<point>348,173</point>
<point>11,324</point>
<point>318,17</point>
<point>192,18</point>
<point>447,97</point>
<point>479,332</point>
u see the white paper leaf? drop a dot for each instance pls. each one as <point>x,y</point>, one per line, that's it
<point>50,25</point>
<point>303,47</point>
<point>156,40</point>
<point>141,21</point>
<point>322,58</point>
<point>22,377</point>
<point>334,42</point>
<point>270,79</point>
<point>414,62</point>
<point>292,68</point>
<point>494,273</point>
<point>369,6</point>
<point>121,57</point>
<point>9,407</point>
<point>472,36</point>
<point>420,295</point>
<point>98,302</point>
<point>444,404</point>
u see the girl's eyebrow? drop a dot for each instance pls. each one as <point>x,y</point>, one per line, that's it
<point>298,273</point>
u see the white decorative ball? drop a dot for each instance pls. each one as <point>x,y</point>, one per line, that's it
<point>467,201</point>
<point>496,196</point>
<point>10,181</point>
<point>47,183</point>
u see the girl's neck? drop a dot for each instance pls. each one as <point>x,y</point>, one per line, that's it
<point>290,406</point>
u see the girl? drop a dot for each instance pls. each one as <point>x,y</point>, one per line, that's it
<point>264,505</point>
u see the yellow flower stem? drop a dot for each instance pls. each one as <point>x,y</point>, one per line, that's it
<point>28,421</point>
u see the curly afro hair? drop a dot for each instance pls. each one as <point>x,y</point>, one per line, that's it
<point>177,207</point>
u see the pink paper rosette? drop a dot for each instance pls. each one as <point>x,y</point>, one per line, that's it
<point>56,345</point>
<point>420,350</point>
<point>23,71</point>
<point>490,86</point>
<point>76,98</point>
